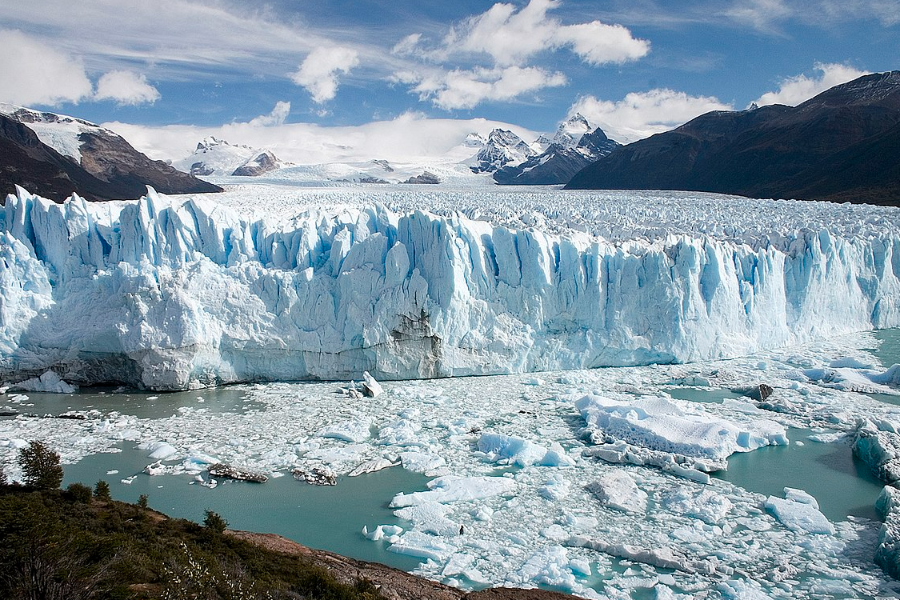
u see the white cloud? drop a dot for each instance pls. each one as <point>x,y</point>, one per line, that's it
<point>511,37</point>
<point>318,73</point>
<point>32,72</point>
<point>126,88</point>
<point>408,45</point>
<point>642,114</point>
<point>277,117</point>
<point>505,39</point>
<point>760,14</point>
<point>887,12</point>
<point>410,137</point>
<point>466,89</point>
<point>800,88</point>
<point>598,43</point>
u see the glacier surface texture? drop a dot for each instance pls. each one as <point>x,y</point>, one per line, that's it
<point>175,293</point>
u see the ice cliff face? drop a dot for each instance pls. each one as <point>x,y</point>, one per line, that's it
<point>176,294</point>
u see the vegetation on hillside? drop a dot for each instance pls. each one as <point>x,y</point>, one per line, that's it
<point>76,545</point>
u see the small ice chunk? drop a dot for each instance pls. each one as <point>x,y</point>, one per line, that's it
<point>742,589</point>
<point>799,516</point>
<point>430,518</point>
<point>452,488</point>
<point>351,430</point>
<point>389,532</point>
<point>800,496</point>
<point>371,387</point>
<point>370,466</point>
<point>555,488</point>
<point>618,490</point>
<point>421,462</point>
<point>707,505</point>
<point>49,383</point>
<point>522,452</point>
<point>161,450</point>
<point>422,545</point>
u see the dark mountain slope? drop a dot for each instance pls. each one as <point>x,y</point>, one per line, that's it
<point>109,167</point>
<point>839,146</point>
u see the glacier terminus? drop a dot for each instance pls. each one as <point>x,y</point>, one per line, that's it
<point>171,293</point>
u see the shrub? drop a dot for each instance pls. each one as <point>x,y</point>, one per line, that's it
<point>142,501</point>
<point>101,491</point>
<point>3,480</point>
<point>78,492</point>
<point>40,466</point>
<point>214,522</point>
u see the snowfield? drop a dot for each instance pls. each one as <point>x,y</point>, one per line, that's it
<point>275,282</point>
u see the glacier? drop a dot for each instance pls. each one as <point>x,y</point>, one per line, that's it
<point>171,293</point>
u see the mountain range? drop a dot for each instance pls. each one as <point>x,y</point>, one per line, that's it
<point>55,155</point>
<point>843,145</point>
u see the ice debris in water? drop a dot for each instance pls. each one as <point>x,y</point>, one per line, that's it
<point>490,520</point>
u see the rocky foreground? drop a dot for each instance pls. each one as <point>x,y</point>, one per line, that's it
<point>393,584</point>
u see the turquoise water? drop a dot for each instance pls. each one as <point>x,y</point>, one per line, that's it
<point>714,396</point>
<point>840,483</point>
<point>326,517</point>
<point>888,351</point>
<point>139,404</point>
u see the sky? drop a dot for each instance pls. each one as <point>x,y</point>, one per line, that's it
<point>169,72</point>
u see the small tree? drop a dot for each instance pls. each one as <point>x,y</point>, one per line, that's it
<point>101,491</point>
<point>79,492</point>
<point>213,521</point>
<point>142,501</point>
<point>40,466</point>
<point>3,480</point>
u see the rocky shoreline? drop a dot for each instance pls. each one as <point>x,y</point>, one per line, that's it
<point>391,583</point>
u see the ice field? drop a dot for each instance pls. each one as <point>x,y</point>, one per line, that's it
<point>510,462</point>
<point>602,482</point>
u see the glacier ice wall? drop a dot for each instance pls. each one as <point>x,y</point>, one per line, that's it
<point>171,294</point>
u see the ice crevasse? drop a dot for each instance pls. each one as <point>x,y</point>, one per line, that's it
<point>170,294</point>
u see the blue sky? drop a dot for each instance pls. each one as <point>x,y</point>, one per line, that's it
<point>632,66</point>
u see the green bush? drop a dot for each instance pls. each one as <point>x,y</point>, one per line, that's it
<point>214,522</point>
<point>142,501</point>
<point>78,492</point>
<point>40,466</point>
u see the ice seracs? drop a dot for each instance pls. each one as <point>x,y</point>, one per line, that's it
<point>174,294</point>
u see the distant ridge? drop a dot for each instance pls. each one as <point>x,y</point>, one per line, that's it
<point>54,155</point>
<point>842,145</point>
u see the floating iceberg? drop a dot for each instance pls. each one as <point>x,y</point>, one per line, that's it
<point>172,294</point>
<point>658,425</point>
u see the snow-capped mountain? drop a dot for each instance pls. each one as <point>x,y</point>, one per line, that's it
<point>220,158</point>
<point>503,147</point>
<point>574,147</point>
<point>56,155</point>
<point>568,134</point>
